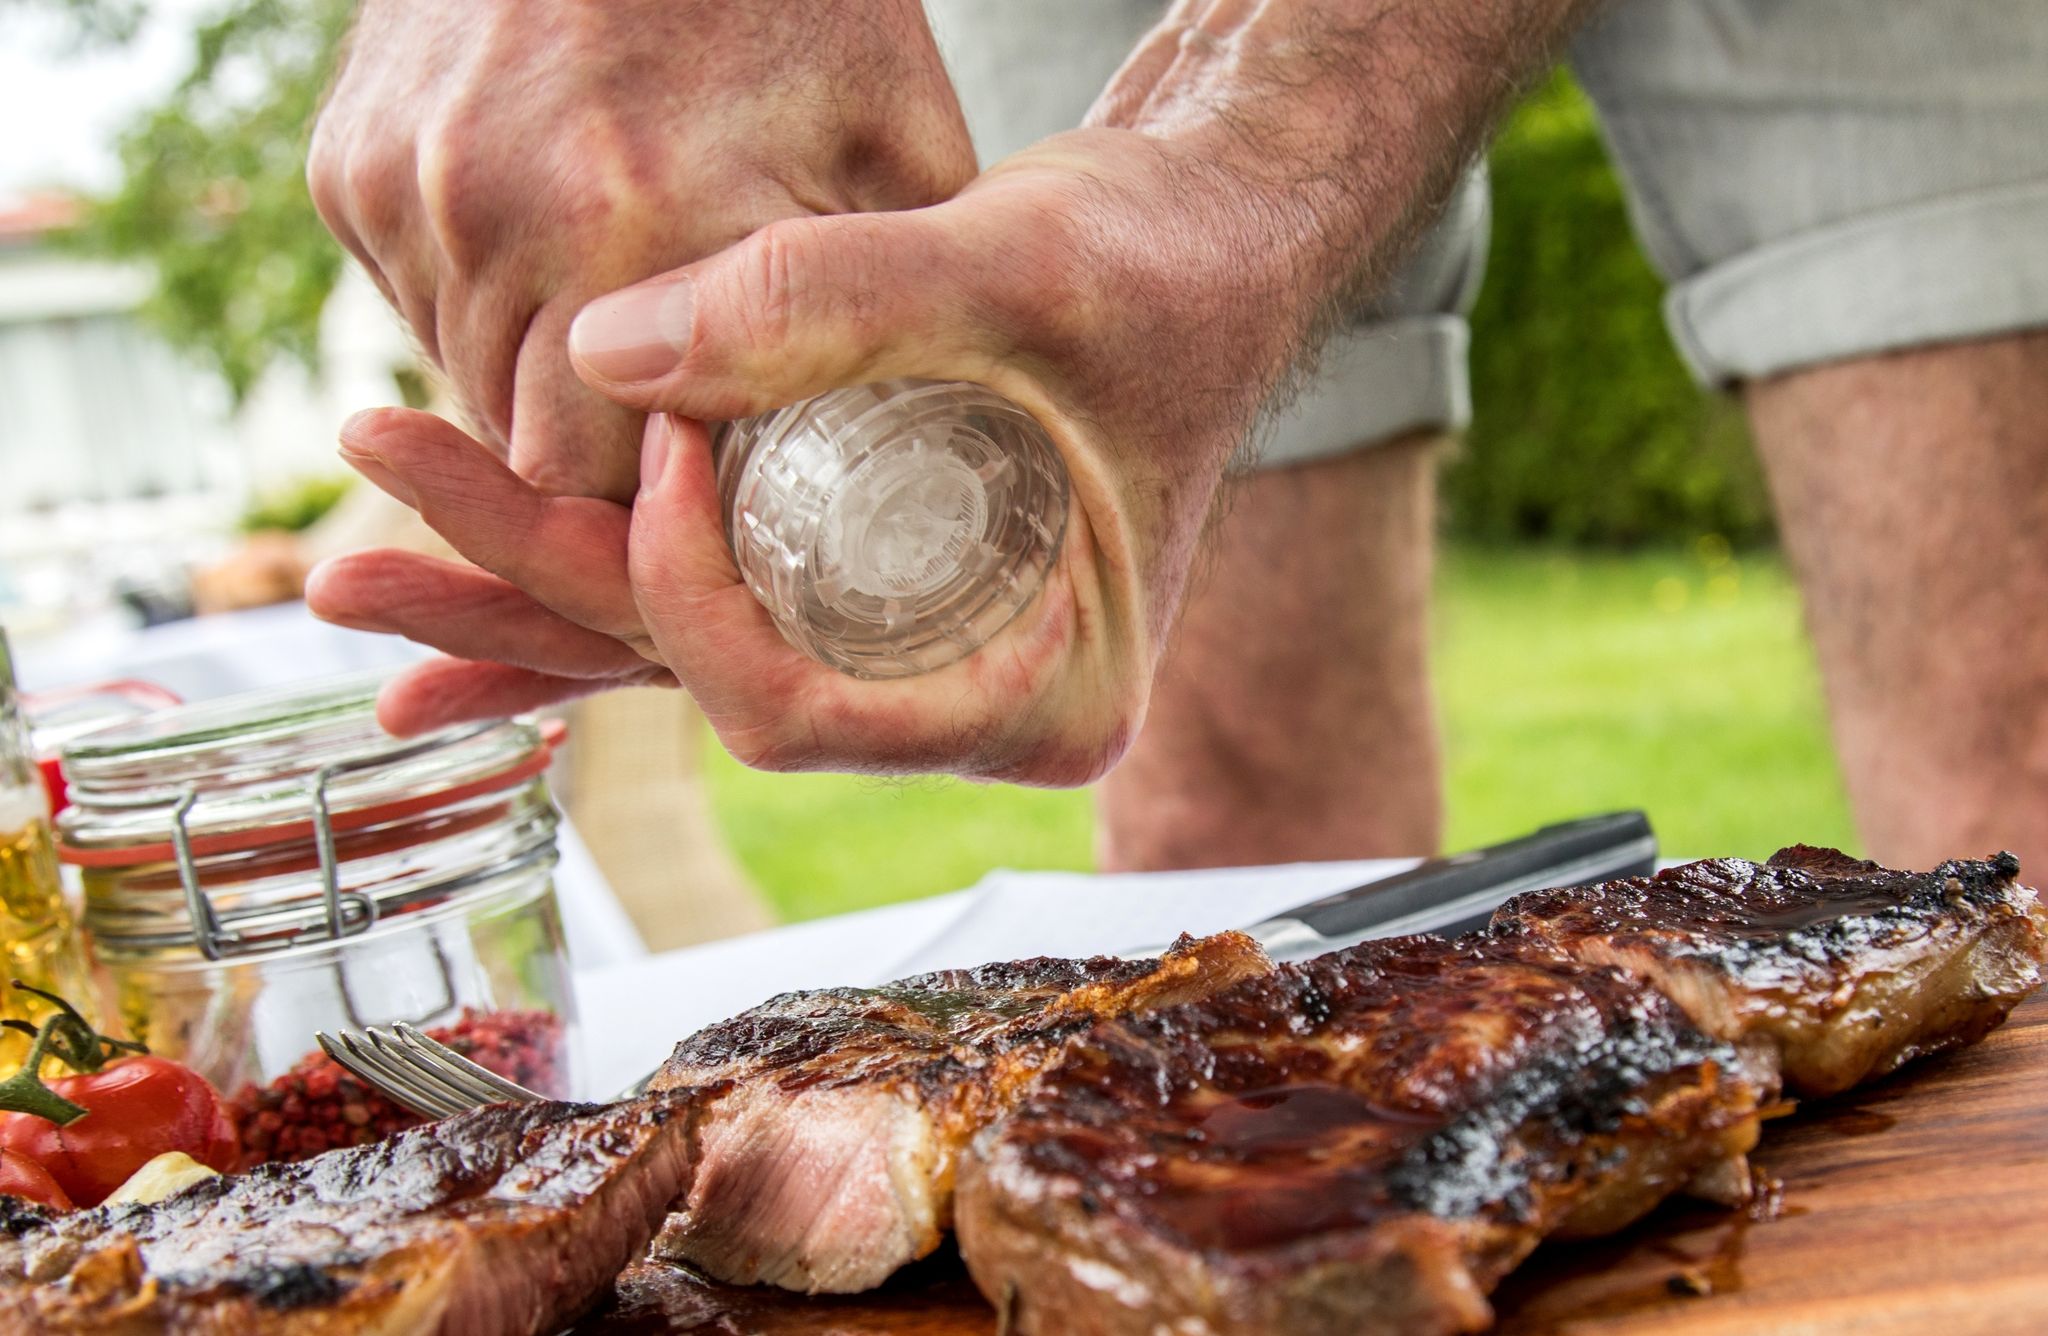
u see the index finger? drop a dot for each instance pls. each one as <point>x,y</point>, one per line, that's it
<point>567,439</point>
<point>568,552</point>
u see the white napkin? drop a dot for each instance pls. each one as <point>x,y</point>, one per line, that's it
<point>1012,915</point>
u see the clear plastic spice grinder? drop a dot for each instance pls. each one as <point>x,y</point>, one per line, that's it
<point>891,529</point>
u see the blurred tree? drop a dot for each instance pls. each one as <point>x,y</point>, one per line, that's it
<point>213,191</point>
<point>1587,427</point>
<point>100,20</point>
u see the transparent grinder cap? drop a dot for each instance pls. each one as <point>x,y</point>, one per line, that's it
<point>891,529</point>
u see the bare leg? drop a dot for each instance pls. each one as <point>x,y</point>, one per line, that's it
<point>1913,494</point>
<point>1293,719</point>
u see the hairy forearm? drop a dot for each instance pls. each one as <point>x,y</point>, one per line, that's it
<point>1345,123</point>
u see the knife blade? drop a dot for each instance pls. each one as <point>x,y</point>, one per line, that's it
<point>1459,892</point>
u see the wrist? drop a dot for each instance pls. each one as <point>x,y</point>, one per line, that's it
<point>1342,124</point>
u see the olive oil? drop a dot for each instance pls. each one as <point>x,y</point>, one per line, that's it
<point>39,939</point>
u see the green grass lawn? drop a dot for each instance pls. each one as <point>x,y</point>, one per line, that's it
<point>1571,683</point>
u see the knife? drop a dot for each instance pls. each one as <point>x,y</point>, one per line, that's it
<point>1459,892</point>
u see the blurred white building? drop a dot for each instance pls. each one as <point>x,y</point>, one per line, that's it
<point>121,461</point>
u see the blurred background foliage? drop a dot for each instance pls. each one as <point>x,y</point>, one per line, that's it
<point>296,507</point>
<point>101,20</point>
<point>1587,428</point>
<point>213,191</point>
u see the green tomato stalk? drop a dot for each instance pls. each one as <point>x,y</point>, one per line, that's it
<point>68,1037</point>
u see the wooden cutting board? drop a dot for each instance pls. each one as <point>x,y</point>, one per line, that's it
<point>1918,1208</point>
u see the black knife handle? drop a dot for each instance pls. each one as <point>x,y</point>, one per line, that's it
<point>1597,848</point>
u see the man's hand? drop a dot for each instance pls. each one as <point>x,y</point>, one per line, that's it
<point>1140,287</point>
<point>1112,250</point>
<point>495,164</point>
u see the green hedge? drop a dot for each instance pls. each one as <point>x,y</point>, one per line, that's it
<point>296,506</point>
<point>1587,427</point>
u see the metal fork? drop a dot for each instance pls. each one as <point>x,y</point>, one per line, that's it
<point>423,1074</point>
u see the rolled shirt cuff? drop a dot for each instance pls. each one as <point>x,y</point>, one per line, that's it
<point>1938,271</point>
<point>1394,379</point>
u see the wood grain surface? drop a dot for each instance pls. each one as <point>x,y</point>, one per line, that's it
<point>1917,1208</point>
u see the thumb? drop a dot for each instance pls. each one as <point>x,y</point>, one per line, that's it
<point>706,624</point>
<point>798,308</point>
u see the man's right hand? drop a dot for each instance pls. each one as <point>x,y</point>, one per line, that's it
<point>496,164</point>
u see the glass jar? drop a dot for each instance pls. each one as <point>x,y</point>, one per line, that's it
<point>39,940</point>
<point>270,865</point>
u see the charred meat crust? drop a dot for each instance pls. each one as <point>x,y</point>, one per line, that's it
<point>828,1160</point>
<point>1363,1143</point>
<point>956,1019</point>
<point>1826,968</point>
<point>511,1219</point>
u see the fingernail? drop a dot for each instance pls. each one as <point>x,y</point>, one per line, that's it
<point>358,420</point>
<point>635,334</point>
<point>316,591</point>
<point>373,468</point>
<point>654,452</point>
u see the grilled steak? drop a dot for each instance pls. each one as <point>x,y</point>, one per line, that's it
<point>828,1160</point>
<point>1368,1142</point>
<point>503,1222</point>
<point>1202,1144</point>
<point>1363,1143</point>
<point>1833,970</point>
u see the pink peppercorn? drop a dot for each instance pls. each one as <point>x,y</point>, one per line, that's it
<point>317,1106</point>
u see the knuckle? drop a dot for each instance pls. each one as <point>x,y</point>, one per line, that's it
<point>356,168</point>
<point>807,271</point>
<point>770,283</point>
<point>325,175</point>
<point>474,194</point>
<point>374,184</point>
<point>455,199</point>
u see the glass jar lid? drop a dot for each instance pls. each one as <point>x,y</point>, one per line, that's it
<point>270,767</point>
<point>284,819</point>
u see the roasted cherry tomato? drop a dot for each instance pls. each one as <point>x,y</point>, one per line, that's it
<point>22,1177</point>
<point>136,1109</point>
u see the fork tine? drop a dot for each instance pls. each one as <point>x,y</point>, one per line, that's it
<point>425,1076</point>
<point>455,1086</point>
<point>453,1093</point>
<point>426,1090</point>
<point>354,1053</point>
<point>349,1049</point>
<point>460,1072</point>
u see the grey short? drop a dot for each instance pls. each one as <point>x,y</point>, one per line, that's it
<point>1816,179</point>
